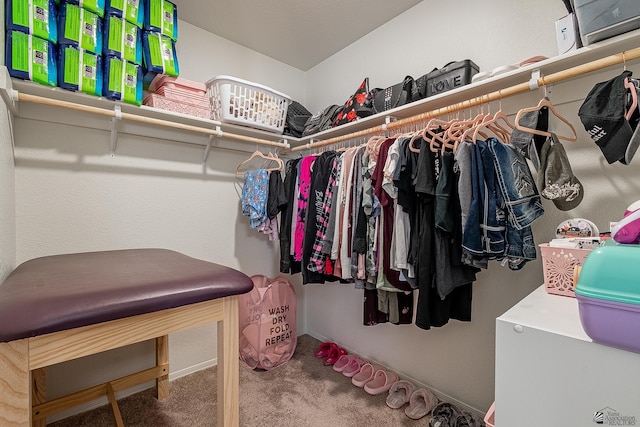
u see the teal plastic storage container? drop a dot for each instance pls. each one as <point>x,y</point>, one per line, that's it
<point>610,272</point>
<point>608,294</point>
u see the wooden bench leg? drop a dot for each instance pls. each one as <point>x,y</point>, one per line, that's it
<point>39,392</point>
<point>228,375</point>
<point>15,385</point>
<point>162,358</point>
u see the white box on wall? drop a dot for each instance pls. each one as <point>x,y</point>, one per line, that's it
<point>567,34</point>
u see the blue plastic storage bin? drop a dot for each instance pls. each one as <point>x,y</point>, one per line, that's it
<point>95,6</point>
<point>159,54</point>
<point>161,16</point>
<point>79,70</point>
<point>122,39</point>
<point>36,17</point>
<point>80,28</point>
<point>31,58</point>
<point>122,80</point>
<point>131,10</point>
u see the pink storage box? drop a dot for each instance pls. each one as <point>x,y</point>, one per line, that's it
<point>164,103</point>
<point>182,95</point>
<point>558,265</point>
<point>177,82</point>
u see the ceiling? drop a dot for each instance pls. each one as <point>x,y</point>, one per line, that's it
<point>301,33</point>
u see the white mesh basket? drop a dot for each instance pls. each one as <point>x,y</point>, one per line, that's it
<point>249,104</point>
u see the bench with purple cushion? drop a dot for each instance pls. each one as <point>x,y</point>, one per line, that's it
<point>62,307</point>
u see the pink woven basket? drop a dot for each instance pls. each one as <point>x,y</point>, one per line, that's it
<point>558,265</point>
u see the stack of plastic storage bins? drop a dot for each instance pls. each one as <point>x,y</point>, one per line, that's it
<point>31,39</point>
<point>123,50</point>
<point>158,40</point>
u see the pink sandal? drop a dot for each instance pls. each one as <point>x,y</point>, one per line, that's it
<point>381,382</point>
<point>353,367</point>
<point>343,362</point>
<point>333,355</point>
<point>366,374</point>
<point>323,349</point>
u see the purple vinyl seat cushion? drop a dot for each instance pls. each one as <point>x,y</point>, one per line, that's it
<point>60,292</point>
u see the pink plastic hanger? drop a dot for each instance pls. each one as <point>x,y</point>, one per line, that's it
<point>545,102</point>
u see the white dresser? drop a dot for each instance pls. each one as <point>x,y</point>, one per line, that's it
<point>549,372</point>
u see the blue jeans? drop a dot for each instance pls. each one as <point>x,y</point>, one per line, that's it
<point>519,197</point>
<point>485,227</point>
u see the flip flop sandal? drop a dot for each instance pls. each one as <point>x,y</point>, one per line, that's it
<point>343,362</point>
<point>441,421</point>
<point>333,355</point>
<point>467,419</point>
<point>353,367</point>
<point>421,402</point>
<point>323,349</point>
<point>444,415</point>
<point>400,393</point>
<point>366,374</point>
<point>381,382</point>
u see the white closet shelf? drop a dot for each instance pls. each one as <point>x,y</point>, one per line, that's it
<point>187,129</point>
<point>477,90</point>
<point>33,101</point>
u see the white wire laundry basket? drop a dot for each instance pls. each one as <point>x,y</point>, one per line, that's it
<point>245,103</point>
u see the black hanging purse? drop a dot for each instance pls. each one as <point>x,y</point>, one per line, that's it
<point>395,96</point>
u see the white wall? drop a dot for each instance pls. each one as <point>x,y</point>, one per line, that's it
<point>203,55</point>
<point>458,359</point>
<point>71,196</point>
<point>431,34</point>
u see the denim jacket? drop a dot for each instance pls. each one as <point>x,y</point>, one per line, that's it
<point>521,198</point>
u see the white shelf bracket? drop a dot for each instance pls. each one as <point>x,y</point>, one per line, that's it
<point>114,130</point>
<point>533,82</point>
<point>206,150</point>
<point>218,134</point>
<point>311,142</point>
<point>8,94</point>
<point>285,143</point>
<point>388,120</point>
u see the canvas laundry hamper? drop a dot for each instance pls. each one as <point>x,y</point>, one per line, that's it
<point>268,335</point>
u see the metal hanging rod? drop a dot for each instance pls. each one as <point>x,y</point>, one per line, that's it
<point>534,83</point>
<point>148,120</point>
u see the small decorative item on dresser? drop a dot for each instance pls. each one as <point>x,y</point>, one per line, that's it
<point>245,103</point>
<point>557,265</point>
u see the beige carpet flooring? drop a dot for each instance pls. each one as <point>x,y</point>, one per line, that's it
<point>301,393</point>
